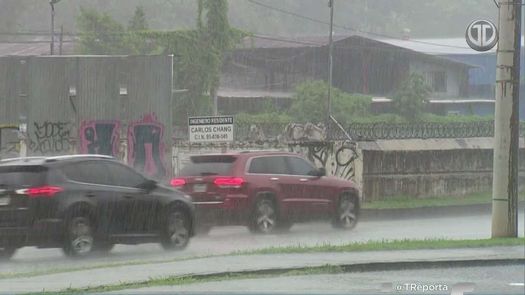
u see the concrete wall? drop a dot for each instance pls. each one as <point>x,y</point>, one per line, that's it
<point>427,168</point>
<point>387,168</point>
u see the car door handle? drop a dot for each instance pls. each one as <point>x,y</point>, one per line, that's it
<point>90,195</point>
<point>274,178</point>
<point>128,197</point>
<point>303,179</point>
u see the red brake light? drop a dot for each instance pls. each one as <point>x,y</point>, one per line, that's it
<point>41,191</point>
<point>177,182</point>
<point>228,182</point>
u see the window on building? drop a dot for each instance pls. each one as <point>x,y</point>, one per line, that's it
<point>437,81</point>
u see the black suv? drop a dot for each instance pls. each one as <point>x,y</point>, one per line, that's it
<point>87,202</point>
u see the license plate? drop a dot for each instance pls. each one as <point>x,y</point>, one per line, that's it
<point>4,201</point>
<point>199,188</point>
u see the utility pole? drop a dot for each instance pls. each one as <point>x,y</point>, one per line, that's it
<point>61,40</point>
<point>52,3</point>
<point>330,62</point>
<point>506,123</point>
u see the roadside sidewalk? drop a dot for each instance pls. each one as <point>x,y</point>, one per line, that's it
<point>430,212</point>
<point>253,263</point>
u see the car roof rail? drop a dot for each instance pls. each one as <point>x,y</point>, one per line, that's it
<point>79,156</point>
<point>21,159</point>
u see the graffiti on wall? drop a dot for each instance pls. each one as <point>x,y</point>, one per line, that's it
<point>100,137</point>
<point>338,157</point>
<point>51,137</point>
<point>9,145</point>
<point>146,147</point>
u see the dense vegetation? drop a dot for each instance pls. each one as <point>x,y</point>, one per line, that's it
<point>376,16</point>
<point>309,105</point>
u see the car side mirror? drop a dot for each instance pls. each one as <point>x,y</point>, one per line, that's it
<point>148,185</point>
<point>319,172</point>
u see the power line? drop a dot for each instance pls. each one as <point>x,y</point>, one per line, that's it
<point>349,28</point>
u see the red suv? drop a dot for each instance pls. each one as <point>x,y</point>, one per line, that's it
<point>267,191</point>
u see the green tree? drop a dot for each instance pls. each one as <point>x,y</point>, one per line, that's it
<point>217,34</point>
<point>410,98</point>
<point>138,22</point>
<point>100,34</point>
<point>309,104</point>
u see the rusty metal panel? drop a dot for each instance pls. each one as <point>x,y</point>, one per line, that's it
<point>13,89</point>
<point>51,120</point>
<point>97,88</point>
<point>148,81</point>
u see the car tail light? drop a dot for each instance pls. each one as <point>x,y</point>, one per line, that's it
<point>177,182</point>
<point>228,182</point>
<point>46,191</point>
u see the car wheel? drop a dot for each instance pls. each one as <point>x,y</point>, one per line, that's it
<point>346,214</point>
<point>264,219</point>
<point>79,239</point>
<point>7,252</point>
<point>176,233</point>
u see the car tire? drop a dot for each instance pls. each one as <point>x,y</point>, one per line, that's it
<point>346,215</point>
<point>176,231</point>
<point>78,239</point>
<point>7,252</point>
<point>264,217</point>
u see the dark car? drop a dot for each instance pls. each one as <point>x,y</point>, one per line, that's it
<point>87,202</point>
<point>266,191</point>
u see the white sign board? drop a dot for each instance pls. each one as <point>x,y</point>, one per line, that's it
<point>210,129</point>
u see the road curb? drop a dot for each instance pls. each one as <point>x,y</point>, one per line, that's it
<point>347,268</point>
<point>429,212</point>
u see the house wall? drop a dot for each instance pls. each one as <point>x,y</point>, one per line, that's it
<point>454,76</point>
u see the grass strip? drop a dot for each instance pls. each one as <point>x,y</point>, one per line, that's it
<point>386,245</point>
<point>405,202</point>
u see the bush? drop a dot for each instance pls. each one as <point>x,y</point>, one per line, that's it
<point>262,118</point>
<point>310,100</point>
<point>410,98</point>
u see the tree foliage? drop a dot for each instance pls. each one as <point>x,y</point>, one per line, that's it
<point>310,102</point>
<point>409,100</point>
<point>101,34</point>
<point>138,22</point>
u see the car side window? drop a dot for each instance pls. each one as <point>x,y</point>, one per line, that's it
<point>276,165</point>
<point>122,175</point>
<point>300,166</point>
<point>258,166</point>
<point>89,172</point>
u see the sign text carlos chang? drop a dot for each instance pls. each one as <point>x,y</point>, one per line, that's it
<point>210,129</point>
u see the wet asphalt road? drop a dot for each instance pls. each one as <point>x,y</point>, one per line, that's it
<point>223,240</point>
<point>507,279</point>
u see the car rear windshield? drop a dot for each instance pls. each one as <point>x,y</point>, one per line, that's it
<point>208,165</point>
<point>22,176</point>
